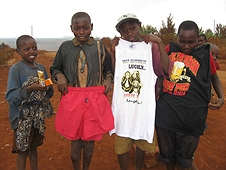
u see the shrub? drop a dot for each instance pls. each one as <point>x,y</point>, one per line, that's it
<point>6,54</point>
<point>3,46</point>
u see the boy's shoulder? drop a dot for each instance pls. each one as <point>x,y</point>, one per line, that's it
<point>17,65</point>
<point>203,46</point>
<point>75,42</point>
<point>98,42</point>
<point>67,42</point>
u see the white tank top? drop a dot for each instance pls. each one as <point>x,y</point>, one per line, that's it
<point>133,102</point>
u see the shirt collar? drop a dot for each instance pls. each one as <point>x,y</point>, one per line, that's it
<point>77,43</point>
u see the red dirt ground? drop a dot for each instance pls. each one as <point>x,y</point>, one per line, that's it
<point>54,154</point>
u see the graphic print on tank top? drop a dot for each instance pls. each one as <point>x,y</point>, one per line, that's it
<point>134,70</point>
<point>131,82</point>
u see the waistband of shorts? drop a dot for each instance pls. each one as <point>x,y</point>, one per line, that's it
<point>85,89</point>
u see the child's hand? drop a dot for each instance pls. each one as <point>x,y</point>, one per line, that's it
<point>216,103</point>
<point>152,38</point>
<point>114,43</point>
<point>62,84</point>
<point>36,86</point>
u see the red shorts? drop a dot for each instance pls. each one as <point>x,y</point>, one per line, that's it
<point>84,113</point>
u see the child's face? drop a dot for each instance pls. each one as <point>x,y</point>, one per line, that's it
<point>81,28</point>
<point>214,50</point>
<point>187,40</point>
<point>201,40</point>
<point>130,31</point>
<point>28,51</point>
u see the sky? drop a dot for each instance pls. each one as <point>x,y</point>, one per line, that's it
<point>51,18</point>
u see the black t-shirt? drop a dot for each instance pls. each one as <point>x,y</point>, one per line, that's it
<point>183,102</point>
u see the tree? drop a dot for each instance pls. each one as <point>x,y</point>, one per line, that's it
<point>167,32</point>
<point>201,31</point>
<point>220,31</point>
<point>149,29</point>
<point>169,28</point>
<point>209,33</point>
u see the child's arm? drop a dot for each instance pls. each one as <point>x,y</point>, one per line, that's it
<point>164,56</point>
<point>56,71</point>
<point>15,92</point>
<point>35,86</point>
<point>217,64</point>
<point>62,84</point>
<point>217,103</point>
<point>108,70</point>
<point>108,83</point>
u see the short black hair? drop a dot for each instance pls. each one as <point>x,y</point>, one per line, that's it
<point>189,25</point>
<point>80,15</point>
<point>21,39</point>
<point>204,36</point>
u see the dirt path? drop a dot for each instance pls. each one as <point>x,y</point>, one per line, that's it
<point>54,153</point>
